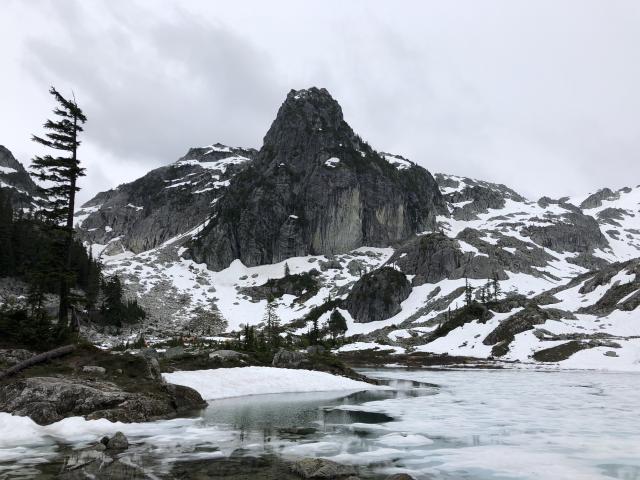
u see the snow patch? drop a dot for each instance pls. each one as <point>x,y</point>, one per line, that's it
<point>237,382</point>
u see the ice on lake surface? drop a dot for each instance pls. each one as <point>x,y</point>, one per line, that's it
<point>477,424</point>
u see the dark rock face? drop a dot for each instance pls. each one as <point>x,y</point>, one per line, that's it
<point>478,196</point>
<point>296,285</point>
<point>435,257</point>
<point>467,314</point>
<point>166,202</point>
<point>15,181</point>
<point>378,295</point>
<point>315,188</point>
<point>575,233</point>
<point>430,258</point>
<point>612,216</point>
<point>519,322</point>
<point>565,350</point>
<point>185,399</point>
<point>619,295</point>
<point>595,200</point>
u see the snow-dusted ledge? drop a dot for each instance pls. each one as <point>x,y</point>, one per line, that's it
<point>238,382</point>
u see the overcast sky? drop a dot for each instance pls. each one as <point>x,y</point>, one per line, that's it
<point>542,95</point>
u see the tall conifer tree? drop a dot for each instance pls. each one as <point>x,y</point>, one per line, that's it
<point>60,175</point>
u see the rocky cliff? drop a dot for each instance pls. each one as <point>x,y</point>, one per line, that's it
<point>166,202</point>
<point>15,181</point>
<point>316,188</point>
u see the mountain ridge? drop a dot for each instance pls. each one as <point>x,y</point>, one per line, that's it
<point>207,230</point>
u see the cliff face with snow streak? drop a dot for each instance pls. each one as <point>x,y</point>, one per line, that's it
<point>316,188</point>
<point>166,202</point>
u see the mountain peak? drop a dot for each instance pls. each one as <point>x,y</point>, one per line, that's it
<point>309,122</point>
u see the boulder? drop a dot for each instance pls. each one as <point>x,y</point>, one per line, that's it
<point>320,468</point>
<point>378,295</point>
<point>227,355</point>
<point>289,359</point>
<point>185,398</point>
<point>118,442</point>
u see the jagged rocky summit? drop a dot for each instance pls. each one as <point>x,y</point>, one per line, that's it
<point>316,188</point>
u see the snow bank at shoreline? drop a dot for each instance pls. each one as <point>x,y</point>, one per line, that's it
<point>238,382</point>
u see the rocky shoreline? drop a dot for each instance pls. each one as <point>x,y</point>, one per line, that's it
<point>129,387</point>
<point>93,384</point>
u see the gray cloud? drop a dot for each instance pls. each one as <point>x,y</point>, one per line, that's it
<point>154,87</point>
<point>539,95</point>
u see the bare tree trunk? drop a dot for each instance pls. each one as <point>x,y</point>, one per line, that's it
<point>63,313</point>
<point>36,359</point>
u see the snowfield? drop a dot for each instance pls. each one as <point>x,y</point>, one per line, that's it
<point>238,382</point>
<point>172,287</point>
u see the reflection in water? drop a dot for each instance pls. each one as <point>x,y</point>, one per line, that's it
<point>476,425</point>
<point>301,414</point>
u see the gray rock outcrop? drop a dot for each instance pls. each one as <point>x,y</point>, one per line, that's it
<point>50,399</point>
<point>164,203</point>
<point>378,295</point>
<point>574,232</point>
<point>289,359</point>
<point>315,188</point>
<point>595,200</point>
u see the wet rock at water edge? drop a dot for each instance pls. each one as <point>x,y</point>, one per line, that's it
<point>320,468</point>
<point>118,442</point>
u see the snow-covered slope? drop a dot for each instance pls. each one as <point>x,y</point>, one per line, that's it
<point>221,204</point>
<point>523,241</point>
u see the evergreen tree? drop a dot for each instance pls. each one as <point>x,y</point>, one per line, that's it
<point>60,174</point>
<point>115,308</point>
<point>287,271</point>
<point>497,291</point>
<point>6,235</point>
<point>468,292</point>
<point>314,334</point>
<point>337,324</point>
<point>272,324</point>
<point>94,276</point>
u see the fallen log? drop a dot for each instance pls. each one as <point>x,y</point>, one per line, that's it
<point>36,359</point>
